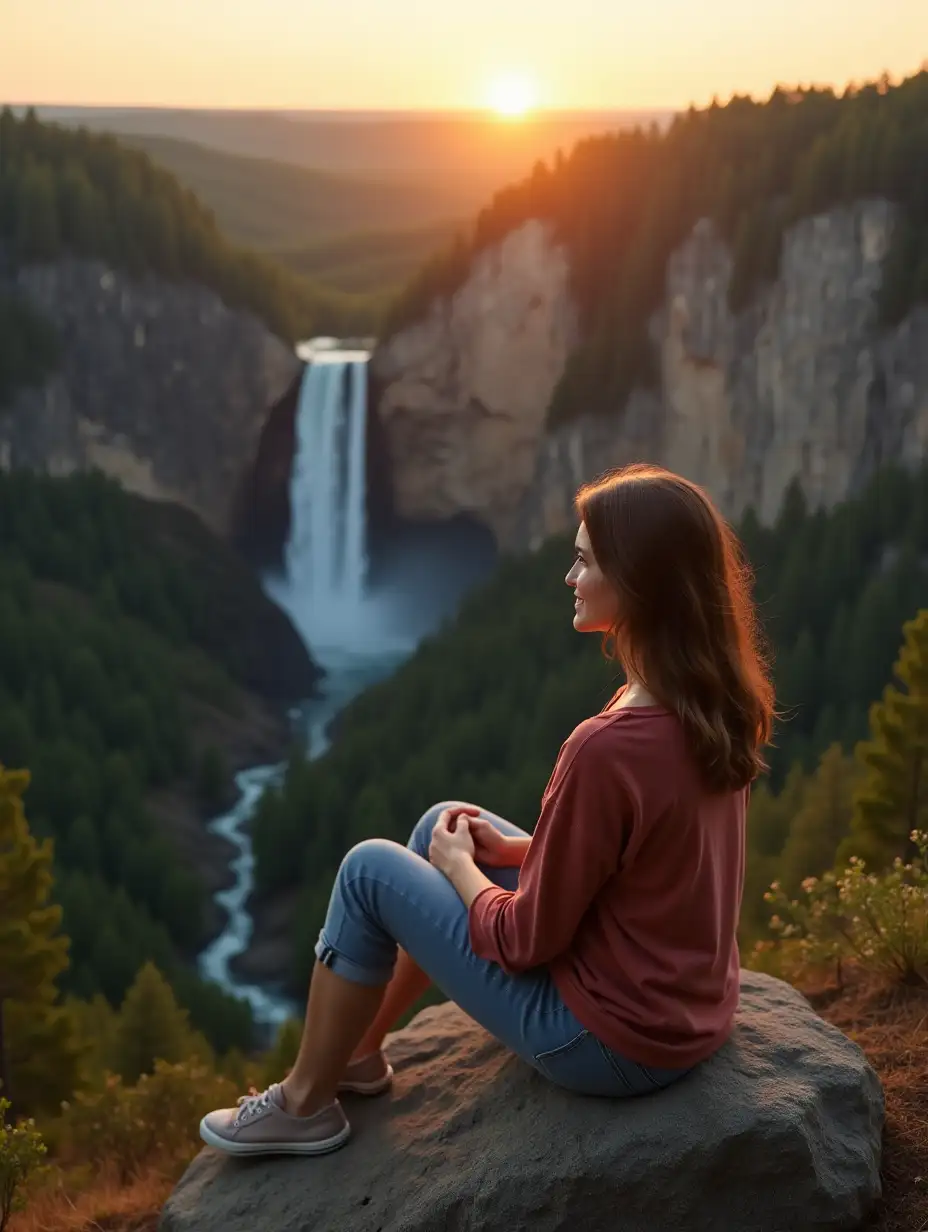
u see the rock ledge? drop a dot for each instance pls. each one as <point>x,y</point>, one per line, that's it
<point>779,1132</point>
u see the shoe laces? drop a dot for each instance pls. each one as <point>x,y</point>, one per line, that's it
<point>251,1104</point>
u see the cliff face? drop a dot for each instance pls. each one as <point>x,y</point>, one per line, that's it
<point>464,392</point>
<point>161,386</point>
<point>802,383</point>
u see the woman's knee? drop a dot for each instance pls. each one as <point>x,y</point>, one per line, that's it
<point>370,856</point>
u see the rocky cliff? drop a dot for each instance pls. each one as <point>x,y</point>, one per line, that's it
<point>802,383</point>
<point>464,393</point>
<point>161,385</point>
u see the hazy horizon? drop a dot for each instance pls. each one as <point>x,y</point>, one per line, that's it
<point>364,55</point>
<point>334,113</point>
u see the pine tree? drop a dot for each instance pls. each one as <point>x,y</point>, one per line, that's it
<point>32,955</point>
<point>798,678</point>
<point>822,821</point>
<point>151,1027</point>
<point>893,797</point>
<point>96,1022</point>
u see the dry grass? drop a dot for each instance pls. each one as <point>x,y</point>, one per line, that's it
<point>891,1026</point>
<point>101,1206</point>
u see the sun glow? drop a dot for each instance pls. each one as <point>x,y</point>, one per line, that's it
<point>512,95</point>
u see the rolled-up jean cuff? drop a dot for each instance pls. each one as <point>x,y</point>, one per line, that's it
<point>347,968</point>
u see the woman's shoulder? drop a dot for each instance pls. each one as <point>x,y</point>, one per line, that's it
<point>632,741</point>
<point>628,722</point>
<point>610,733</point>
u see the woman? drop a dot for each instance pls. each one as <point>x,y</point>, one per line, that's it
<point>602,949</point>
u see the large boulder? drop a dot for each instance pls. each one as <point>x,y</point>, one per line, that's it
<point>780,1131</point>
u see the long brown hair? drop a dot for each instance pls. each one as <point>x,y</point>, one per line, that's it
<point>687,625</point>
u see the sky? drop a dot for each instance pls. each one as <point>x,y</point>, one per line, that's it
<point>399,54</point>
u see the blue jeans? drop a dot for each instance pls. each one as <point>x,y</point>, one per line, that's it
<point>387,895</point>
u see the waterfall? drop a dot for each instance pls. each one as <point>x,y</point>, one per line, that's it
<point>326,554</point>
<point>348,624</point>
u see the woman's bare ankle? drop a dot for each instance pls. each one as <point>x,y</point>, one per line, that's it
<point>363,1053</point>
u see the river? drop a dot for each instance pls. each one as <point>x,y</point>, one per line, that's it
<point>348,672</point>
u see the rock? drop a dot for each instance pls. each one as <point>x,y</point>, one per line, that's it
<point>261,519</point>
<point>161,385</point>
<point>779,1132</point>
<point>802,383</point>
<point>464,392</point>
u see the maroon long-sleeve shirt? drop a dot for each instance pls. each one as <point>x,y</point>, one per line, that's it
<point>630,891</point>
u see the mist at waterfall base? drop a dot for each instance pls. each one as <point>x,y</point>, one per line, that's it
<point>359,623</point>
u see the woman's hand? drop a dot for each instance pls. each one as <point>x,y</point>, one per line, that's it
<point>491,848</point>
<point>451,841</point>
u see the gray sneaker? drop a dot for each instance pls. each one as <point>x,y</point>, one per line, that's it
<point>261,1126</point>
<point>369,1076</point>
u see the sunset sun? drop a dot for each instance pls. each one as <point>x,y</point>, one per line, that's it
<point>512,95</point>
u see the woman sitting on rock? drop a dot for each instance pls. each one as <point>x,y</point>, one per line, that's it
<point>601,949</point>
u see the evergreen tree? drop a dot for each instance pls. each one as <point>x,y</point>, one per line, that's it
<point>893,797</point>
<point>798,679</point>
<point>33,954</point>
<point>151,1027</point>
<point>95,1022</point>
<point>770,816</point>
<point>822,821</point>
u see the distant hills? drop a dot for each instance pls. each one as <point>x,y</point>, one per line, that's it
<point>356,201</point>
<point>269,204</point>
<point>471,145</point>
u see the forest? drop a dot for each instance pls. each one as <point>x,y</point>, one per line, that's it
<point>109,639</point>
<point>73,193</point>
<point>622,203</point>
<point>481,709</point>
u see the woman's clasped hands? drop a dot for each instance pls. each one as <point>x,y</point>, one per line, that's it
<point>460,833</point>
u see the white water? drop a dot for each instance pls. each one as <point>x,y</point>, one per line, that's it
<point>357,635</point>
<point>326,554</point>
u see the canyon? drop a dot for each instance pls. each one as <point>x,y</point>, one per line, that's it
<point>183,398</point>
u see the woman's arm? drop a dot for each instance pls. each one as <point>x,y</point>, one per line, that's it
<point>576,847</point>
<point>518,845</point>
<point>469,881</point>
<point>467,878</point>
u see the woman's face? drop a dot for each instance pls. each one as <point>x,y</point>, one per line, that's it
<point>596,604</point>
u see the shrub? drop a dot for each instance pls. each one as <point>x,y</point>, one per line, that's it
<point>155,1121</point>
<point>21,1152</point>
<point>878,919</point>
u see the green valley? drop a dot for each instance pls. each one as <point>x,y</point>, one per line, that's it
<point>272,205</point>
